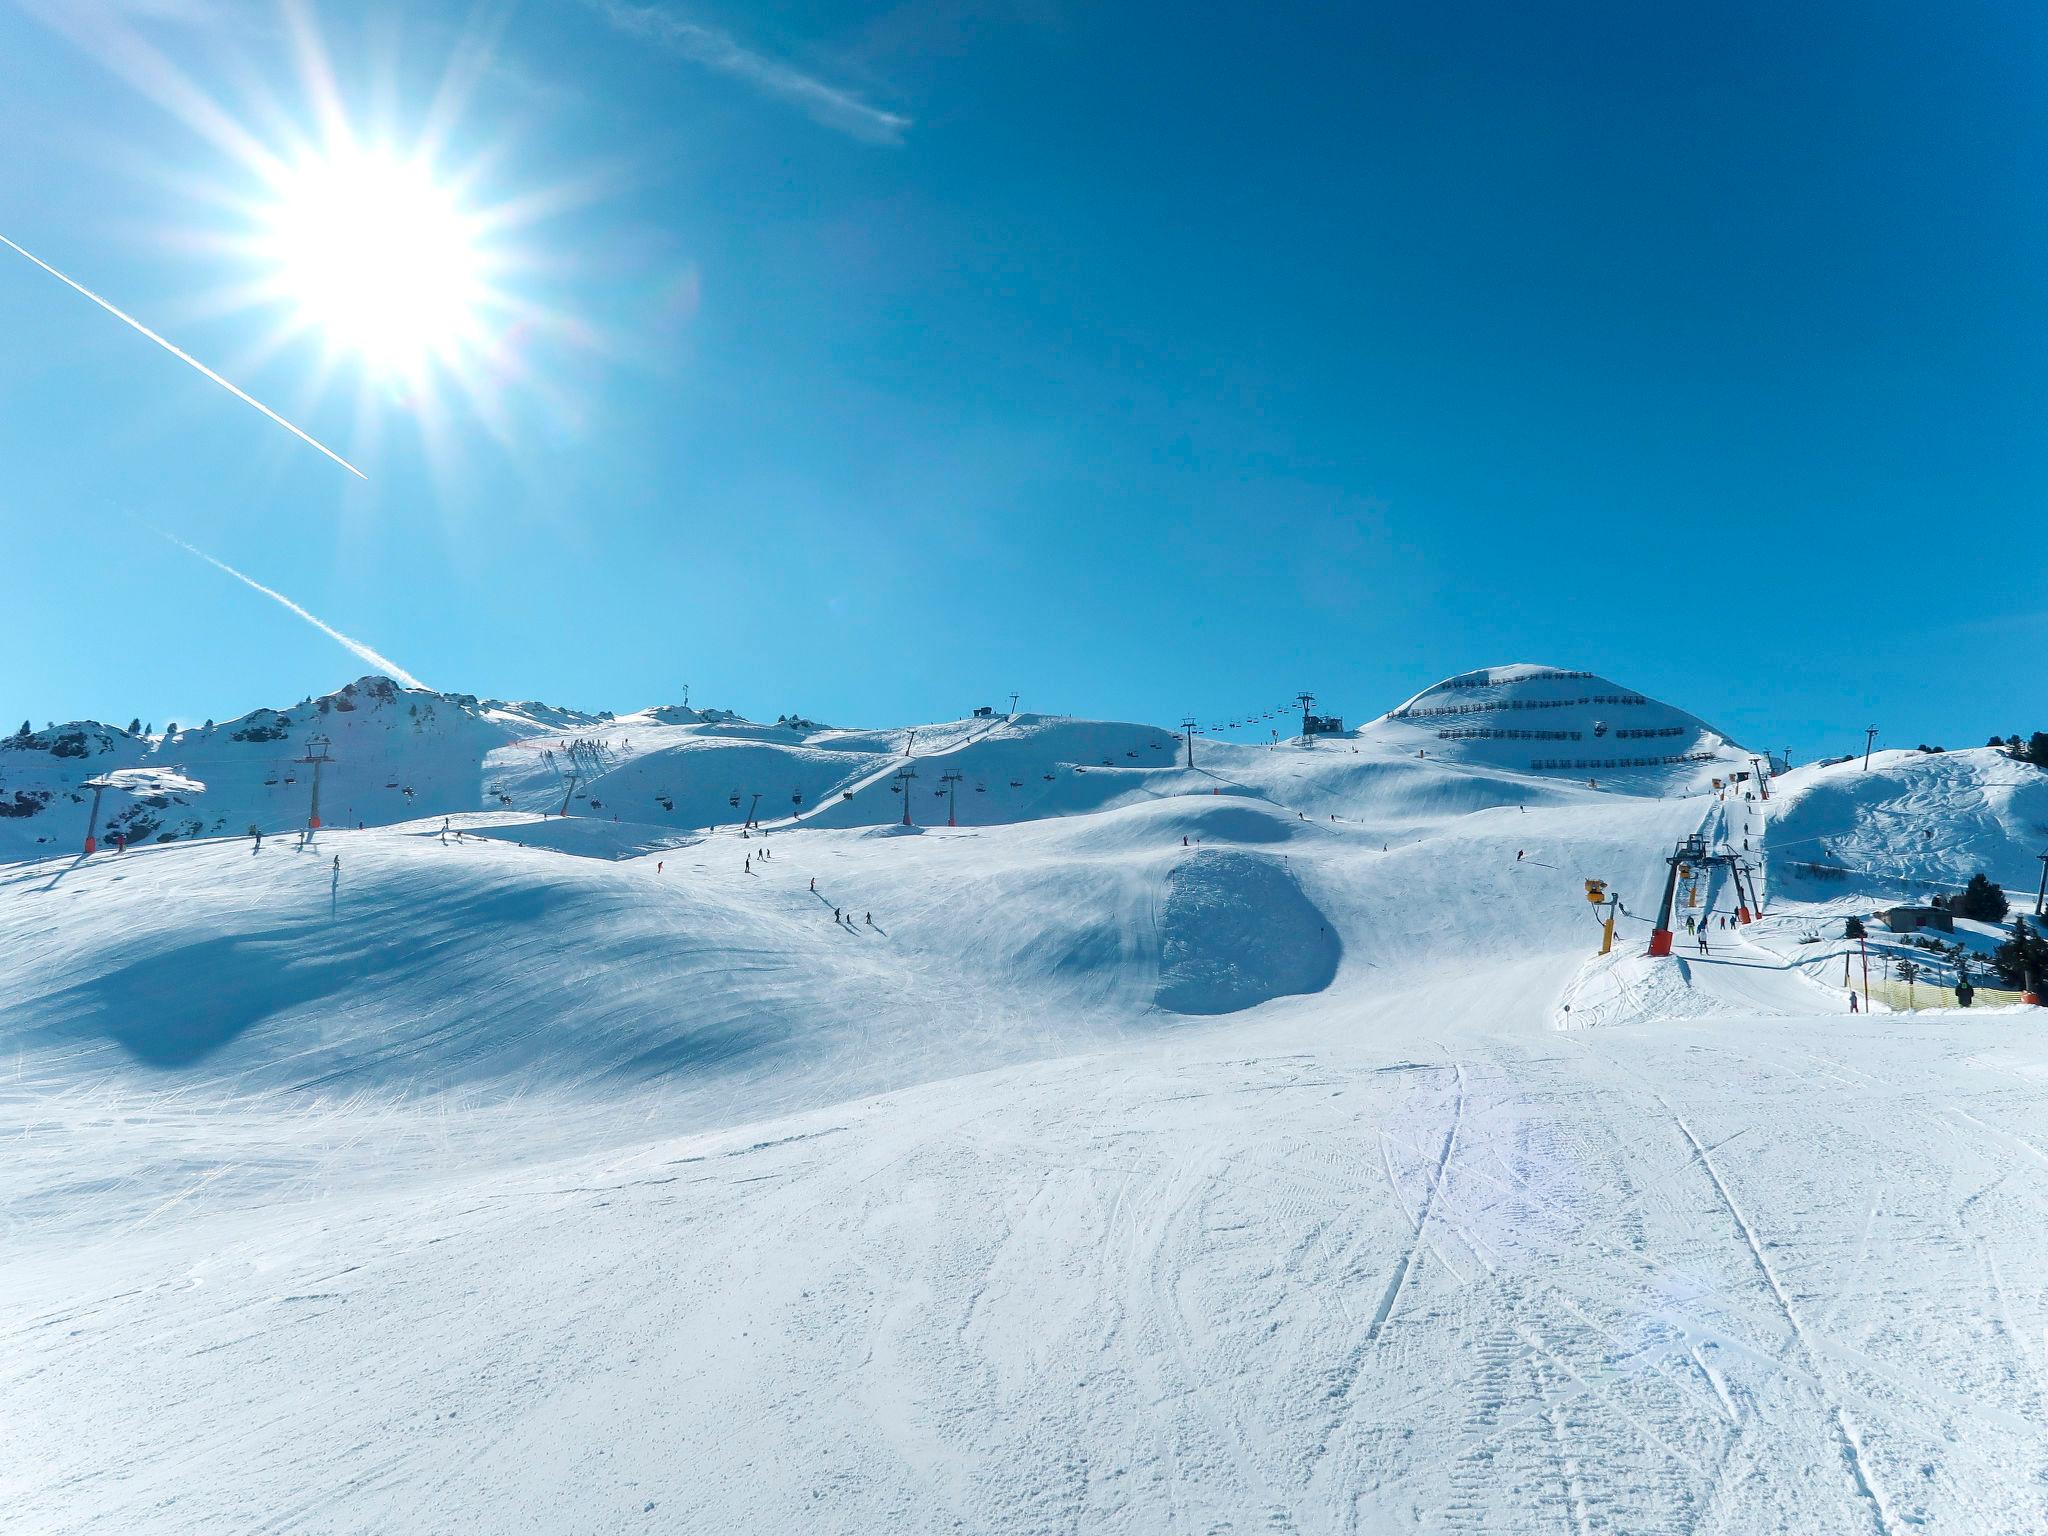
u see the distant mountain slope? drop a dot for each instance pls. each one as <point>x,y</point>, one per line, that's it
<point>1914,824</point>
<point>1505,735</point>
<point>1548,720</point>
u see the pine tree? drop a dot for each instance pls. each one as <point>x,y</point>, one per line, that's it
<point>135,726</point>
<point>2025,950</point>
<point>1981,900</point>
<point>2037,748</point>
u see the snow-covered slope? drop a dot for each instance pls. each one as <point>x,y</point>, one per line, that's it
<point>1915,824</point>
<point>1162,1148</point>
<point>400,754</point>
<point>1548,720</point>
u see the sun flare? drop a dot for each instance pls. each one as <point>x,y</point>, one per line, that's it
<point>377,256</point>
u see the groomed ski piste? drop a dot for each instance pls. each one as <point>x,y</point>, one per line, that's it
<point>1253,1146</point>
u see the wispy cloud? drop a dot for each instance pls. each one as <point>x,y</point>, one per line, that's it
<point>713,49</point>
<point>381,662</point>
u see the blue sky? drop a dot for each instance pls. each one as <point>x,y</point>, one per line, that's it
<point>873,362</point>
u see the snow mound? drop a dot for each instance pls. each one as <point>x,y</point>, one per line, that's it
<point>1237,930</point>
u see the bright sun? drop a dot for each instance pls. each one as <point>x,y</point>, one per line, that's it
<point>378,256</point>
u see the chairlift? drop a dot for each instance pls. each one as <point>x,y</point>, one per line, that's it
<point>291,778</point>
<point>796,797</point>
<point>982,789</point>
<point>391,783</point>
<point>1019,783</point>
<point>271,780</point>
<point>846,794</point>
<point>733,799</point>
<point>1048,778</point>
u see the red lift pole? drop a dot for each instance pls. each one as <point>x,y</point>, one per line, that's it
<point>1691,851</point>
<point>903,778</point>
<point>92,823</point>
<point>952,783</point>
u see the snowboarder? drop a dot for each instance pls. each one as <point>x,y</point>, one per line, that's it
<point>835,914</point>
<point>1852,1003</point>
<point>748,867</point>
<point>871,923</point>
<point>1518,855</point>
<point>1703,945</point>
<point>1690,926</point>
<point>337,863</point>
<point>814,882</point>
<point>657,866</point>
<point>259,841</point>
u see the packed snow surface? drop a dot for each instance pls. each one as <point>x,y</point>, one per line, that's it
<point>1252,1146</point>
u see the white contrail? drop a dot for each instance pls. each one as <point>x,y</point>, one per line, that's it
<point>383,664</point>
<point>714,49</point>
<point>187,357</point>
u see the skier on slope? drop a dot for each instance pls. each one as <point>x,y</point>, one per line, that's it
<point>1518,855</point>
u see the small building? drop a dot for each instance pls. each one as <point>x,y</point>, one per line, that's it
<point>1913,919</point>
<point>1322,725</point>
<point>985,712</point>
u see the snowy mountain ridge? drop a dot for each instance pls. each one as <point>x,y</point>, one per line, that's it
<point>399,753</point>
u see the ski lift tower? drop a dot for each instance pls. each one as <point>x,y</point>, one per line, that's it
<point>1306,700</point>
<point>98,787</point>
<point>903,777</point>
<point>1187,726</point>
<point>952,782</point>
<point>316,754</point>
<point>1690,854</point>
